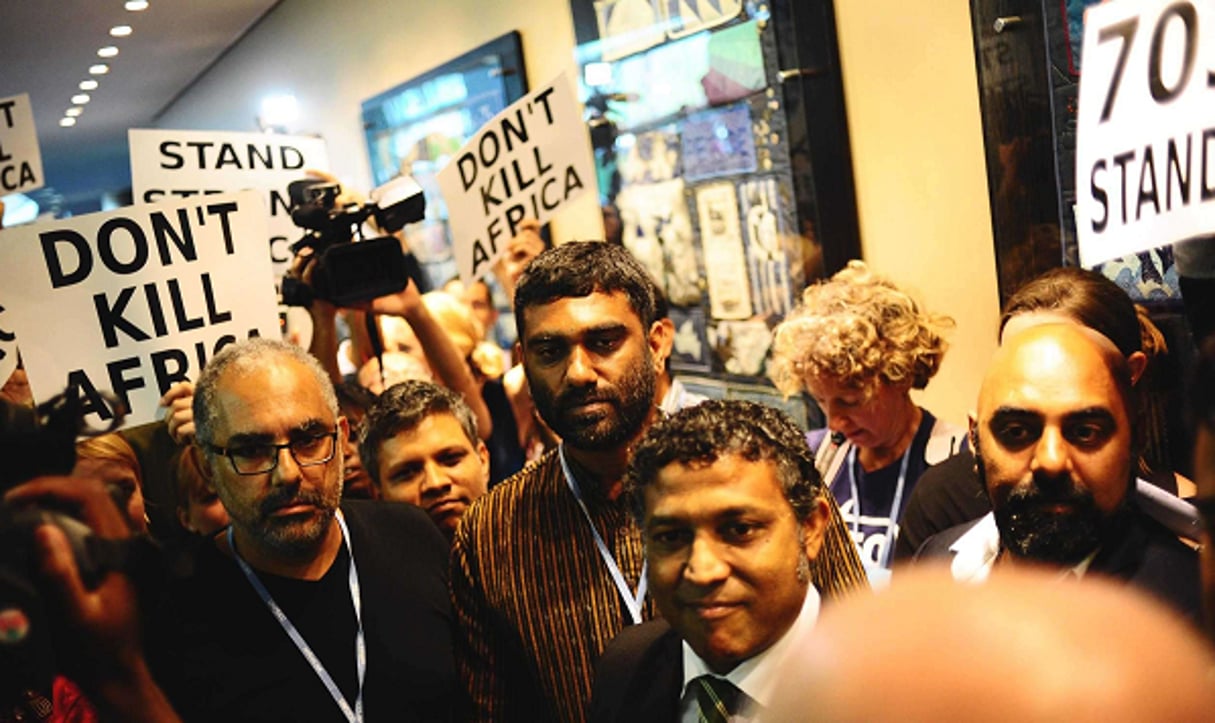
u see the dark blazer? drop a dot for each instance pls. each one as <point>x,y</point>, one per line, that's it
<point>1138,550</point>
<point>639,677</point>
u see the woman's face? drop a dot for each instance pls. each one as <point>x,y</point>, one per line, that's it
<point>866,420</point>
<point>122,483</point>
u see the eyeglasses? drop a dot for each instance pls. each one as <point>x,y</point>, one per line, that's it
<point>310,451</point>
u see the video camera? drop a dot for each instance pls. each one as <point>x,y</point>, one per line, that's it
<point>345,272</point>
<point>33,443</point>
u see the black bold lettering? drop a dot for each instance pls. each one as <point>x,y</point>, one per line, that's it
<point>111,318</point>
<point>152,294</point>
<point>487,196</point>
<point>520,182</point>
<point>120,384</point>
<point>279,203</point>
<point>184,322</point>
<point>165,377</point>
<point>487,162</point>
<point>168,148</point>
<point>214,316</point>
<point>201,147</point>
<point>1208,189</point>
<point>78,385</point>
<point>1121,160</point>
<point>480,256</point>
<point>7,107</point>
<point>572,182</point>
<point>1174,167</point>
<point>542,98</point>
<point>467,165</point>
<point>222,210</point>
<point>541,169</point>
<point>51,241</point>
<point>163,231</point>
<point>1101,197</point>
<point>519,132</point>
<point>105,245</point>
<point>1147,173</point>
<point>544,195</point>
<point>227,157</point>
<point>515,214</point>
<point>291,159</point>
<point>255,156</point>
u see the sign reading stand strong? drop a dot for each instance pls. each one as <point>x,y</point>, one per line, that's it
<point>1145,150</point>
<point>528,162</point>
<point>130,301</point>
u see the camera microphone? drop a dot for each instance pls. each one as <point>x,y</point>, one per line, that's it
<point>838,438</point>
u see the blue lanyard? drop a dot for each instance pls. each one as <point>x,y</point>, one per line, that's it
<point>360,648</point>
<point>892,529</point>
<point>633,602</point>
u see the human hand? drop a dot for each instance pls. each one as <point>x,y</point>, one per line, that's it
<point>179,401</point>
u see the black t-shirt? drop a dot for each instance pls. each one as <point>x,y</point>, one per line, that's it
<point>221,655</point>
<point>947,494</point>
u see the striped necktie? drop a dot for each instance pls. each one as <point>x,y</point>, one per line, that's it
<point>716,697</point>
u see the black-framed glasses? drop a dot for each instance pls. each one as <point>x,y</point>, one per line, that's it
<point>262,457</point>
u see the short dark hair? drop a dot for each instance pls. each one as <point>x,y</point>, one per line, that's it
<point>401,408</point>
<point>581,268</point>
<point>702,434</point>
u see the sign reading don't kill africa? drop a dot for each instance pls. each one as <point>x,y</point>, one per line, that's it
<point>133,300</point>
<point>1145,144</point>
<point>20,158</point>
<point>527,163</point>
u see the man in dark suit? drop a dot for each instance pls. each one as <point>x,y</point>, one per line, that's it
<point>732,515</point>
<point>1055,447</point>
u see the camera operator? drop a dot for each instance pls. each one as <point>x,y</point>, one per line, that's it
<point>95,632</point>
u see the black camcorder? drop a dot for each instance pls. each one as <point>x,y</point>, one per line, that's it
<point>347,269</point>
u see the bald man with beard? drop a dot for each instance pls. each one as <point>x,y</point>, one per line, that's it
<point>1055,446</point>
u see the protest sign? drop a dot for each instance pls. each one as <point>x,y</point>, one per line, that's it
<point>529,161</point>
<point>133,300</point>
<point>1145,145</point>
<point>20,159</point>
<point>167,164</point>
<point>8,349</point>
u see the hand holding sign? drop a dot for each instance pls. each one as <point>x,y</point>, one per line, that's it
<point>1145,151</point>
<point>527,163</point>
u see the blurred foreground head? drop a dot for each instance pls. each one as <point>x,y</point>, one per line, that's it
<point>1023,646</point>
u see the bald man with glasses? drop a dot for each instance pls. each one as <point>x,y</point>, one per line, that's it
<point>306,607</point>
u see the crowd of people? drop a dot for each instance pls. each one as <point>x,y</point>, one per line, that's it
<point>565,533</point>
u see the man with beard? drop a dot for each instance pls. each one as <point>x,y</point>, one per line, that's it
<point>1054,440</point>
<point>548,566</point>
<point>304,608</point>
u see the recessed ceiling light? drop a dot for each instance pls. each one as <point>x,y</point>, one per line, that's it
<point>120,31</point>
<point>80,98</point>
<point>99,69</point>
<point>108,51</point>
<point>136,5</point>
<point>88,85</point>
<point>67,122</point>
<point>73,111</point>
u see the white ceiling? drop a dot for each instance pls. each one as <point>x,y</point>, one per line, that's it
<point>47,46</point>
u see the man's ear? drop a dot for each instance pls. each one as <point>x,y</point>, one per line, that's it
<point>1137,362</point>
<point>662,337</point>
<point>814,528</point>
<point>483,454</point>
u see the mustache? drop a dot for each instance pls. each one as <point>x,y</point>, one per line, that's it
<point>1048,490</point>
<point>573,397</point>
<point>286,496</point>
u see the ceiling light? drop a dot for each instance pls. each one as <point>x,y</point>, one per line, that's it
<point>80,98</point>
<point>99,69</point>
<point>67,122</point>
<point>108,51</point>
<point>73,111</point>
<point>120,31</point>
<point>88,85</point>
<point>136,5</point>
<point>279,110</point>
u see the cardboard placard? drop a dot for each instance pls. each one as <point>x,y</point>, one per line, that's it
<point>180,164</point>
<point>20,157</point>
<point>1145,145</point>
<point>529,161</point>
<point>133,300</point>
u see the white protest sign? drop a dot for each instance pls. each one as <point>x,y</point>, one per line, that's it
<point>133,300</point>
<point>20,159</point>
<point>528,162</point>
<point>1145,145</point>
<point>167,164</point>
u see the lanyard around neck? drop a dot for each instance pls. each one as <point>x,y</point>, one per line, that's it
<point>631,600</point>
<point>354,715</point>
<point>892,529</point>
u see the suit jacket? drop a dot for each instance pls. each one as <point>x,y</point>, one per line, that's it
<point>639,677</point>
<point>1138,550</point>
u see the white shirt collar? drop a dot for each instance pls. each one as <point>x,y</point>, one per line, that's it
<point>976,551</point>
<point>759,675</point>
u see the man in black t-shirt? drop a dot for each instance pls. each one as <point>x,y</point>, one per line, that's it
<point>301,610</point>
